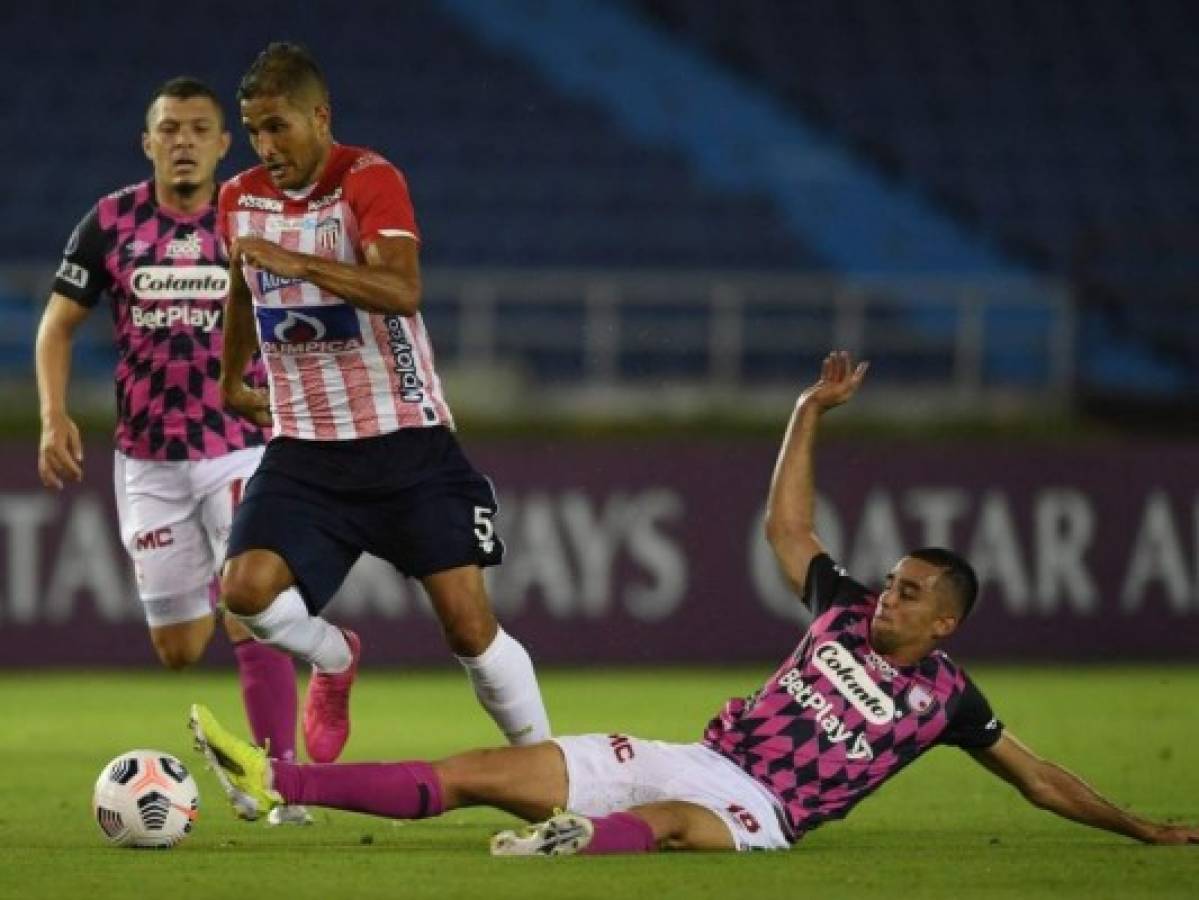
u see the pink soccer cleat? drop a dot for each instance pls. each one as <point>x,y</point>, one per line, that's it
<point>327,707</point>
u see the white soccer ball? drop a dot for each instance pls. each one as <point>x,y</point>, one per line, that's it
<point>145,798</point>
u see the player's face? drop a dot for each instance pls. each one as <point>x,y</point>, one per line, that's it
<point>185,140</point>
<point>913,610</point>
<point>291,139</point>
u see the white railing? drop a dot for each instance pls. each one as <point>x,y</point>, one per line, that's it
<point>634,334</point>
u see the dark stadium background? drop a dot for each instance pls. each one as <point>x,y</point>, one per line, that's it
<point>644,223</point>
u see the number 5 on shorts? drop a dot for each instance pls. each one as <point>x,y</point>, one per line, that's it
<point>484,529</point>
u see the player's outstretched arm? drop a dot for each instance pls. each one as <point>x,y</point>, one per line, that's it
<point>1049,786</point>
<point>790,506</point>
<point>240,342</point>
<point>60,450</point>
<point>390,282</point>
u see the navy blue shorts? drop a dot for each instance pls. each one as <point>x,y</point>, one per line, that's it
<point>410,497</point>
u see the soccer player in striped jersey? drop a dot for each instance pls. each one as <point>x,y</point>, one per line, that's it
<point>181,458</point>
<point>325,279</point>
<point>865,693</point>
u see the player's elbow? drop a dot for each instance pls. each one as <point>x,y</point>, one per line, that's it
<point>790,554</point>
<point>790,539</point>
<point>410,295</point>
<point>397,291</point>
<point>396,303</point>
<point>780,531</point>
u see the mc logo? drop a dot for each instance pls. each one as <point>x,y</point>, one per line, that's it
<point>154,540</point>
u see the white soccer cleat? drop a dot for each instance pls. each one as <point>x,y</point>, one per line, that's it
<point>562,834</point>
<point>289,815</point>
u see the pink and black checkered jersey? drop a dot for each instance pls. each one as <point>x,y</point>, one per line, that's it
<point>166,275</point>
<point>837,719</point>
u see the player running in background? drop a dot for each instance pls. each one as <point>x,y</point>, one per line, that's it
<point>325,266</point>
<point>864,694</point>
<point>181,459</point>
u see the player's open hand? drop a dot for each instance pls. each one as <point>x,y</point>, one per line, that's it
<point>60,452</point>
<point>252,403</point>
<point>839,380</point>
<point>263,254</point>
<point>1173,834</point>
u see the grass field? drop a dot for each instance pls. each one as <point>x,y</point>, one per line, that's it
<point>944,828</point>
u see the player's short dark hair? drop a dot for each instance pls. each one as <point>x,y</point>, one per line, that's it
<point>283,70</point>
<point>958,574</point>
<point>184,87</point>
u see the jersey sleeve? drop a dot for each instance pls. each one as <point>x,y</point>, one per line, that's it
<point>973,725</point>
<point>83,275</point>
<point>378,194</point>
<point>827,585</point>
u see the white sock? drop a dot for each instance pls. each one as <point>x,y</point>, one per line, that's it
<point>287,625</point>
<point>506,685</point>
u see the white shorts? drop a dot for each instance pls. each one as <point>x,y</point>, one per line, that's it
<point>175,519</point>
<point>610,773</point>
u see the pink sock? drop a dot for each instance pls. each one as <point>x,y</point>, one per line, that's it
<point>268,689</point>
<point>621,832</point>
<point>405,790</point>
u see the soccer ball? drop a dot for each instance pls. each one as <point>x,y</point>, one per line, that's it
<point>145,798</point>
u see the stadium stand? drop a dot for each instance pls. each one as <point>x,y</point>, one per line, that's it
<point>1065,131</point>
<point>1036,137</point>
<point>1044,155</point>
<point>505,171</point>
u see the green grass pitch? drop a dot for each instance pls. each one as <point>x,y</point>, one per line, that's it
<point>943,828</point>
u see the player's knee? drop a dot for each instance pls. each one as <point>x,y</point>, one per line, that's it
<point>177,654</point>
<point>679,825</point>
<point>246,590</point>
<point>470,631</point>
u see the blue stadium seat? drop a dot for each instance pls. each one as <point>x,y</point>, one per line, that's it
<point>1049,125</point>
<point>491,148</point>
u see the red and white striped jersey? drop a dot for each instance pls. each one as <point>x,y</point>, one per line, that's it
<point>336,372</point>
